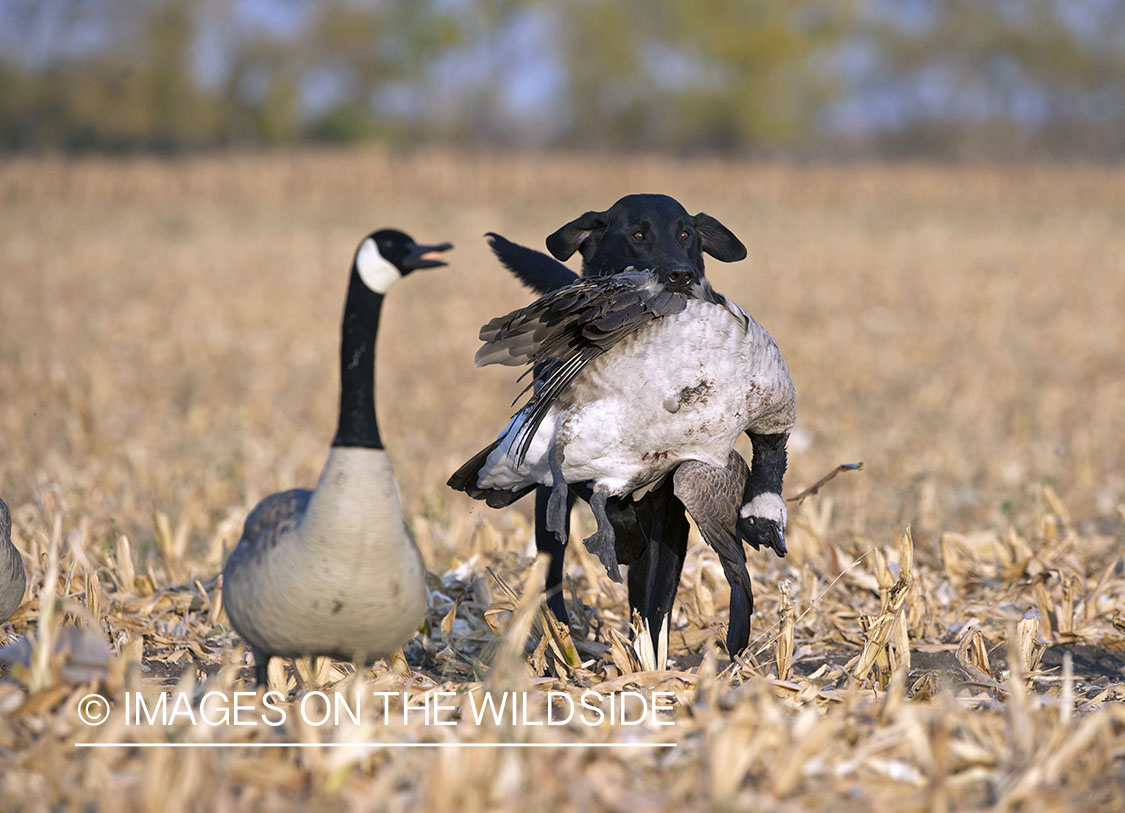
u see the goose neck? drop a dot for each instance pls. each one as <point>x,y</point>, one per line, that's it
<point>358,425</point>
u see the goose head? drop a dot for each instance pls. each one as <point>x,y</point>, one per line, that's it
<point>386,256</point>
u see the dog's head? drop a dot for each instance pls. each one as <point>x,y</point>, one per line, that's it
<point>647,233</point>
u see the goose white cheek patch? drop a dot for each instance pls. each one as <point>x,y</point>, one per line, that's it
<point>377,273</point>
<point>766,506</point>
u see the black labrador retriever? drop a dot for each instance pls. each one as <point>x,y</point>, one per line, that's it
<point>643,232</point>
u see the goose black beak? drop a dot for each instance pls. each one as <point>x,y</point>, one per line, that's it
<point>759,531</point>
<point>420,256</point>
<point>777,540</point>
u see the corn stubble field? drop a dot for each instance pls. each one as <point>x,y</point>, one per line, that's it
<point>168,340</point>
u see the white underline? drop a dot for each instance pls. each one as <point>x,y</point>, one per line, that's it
<point>375,745</point>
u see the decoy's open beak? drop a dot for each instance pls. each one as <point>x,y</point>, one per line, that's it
<point>426,256</point>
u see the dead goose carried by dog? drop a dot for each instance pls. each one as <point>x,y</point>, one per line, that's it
<point>634,375</point>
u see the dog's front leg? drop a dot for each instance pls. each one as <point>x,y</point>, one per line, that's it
<point>546,541</point>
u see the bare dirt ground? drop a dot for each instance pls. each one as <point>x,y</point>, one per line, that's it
<point>168,339</point>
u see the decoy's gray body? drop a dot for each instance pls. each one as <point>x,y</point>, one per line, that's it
<point>334,571</point>
<point>636,375</point>
<point>13,580</point>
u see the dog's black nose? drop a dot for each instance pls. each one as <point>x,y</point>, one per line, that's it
<point>681,276</point>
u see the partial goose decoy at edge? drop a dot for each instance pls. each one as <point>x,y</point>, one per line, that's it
<point>634,375</point>
<point>333,570</point>
<point>82,653</point>
<point>13,580</point>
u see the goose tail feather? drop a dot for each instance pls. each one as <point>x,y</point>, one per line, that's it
<point>467,478</point>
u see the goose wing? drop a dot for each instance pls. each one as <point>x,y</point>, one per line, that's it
<point>562,332</point>
<point>590,313</point>
<point>274,516</point>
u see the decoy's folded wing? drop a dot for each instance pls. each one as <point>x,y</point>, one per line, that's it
<point>284,508</point>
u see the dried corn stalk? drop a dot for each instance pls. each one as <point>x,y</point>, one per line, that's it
<point>882,627</point>
<point>784,654</point>
<point>972,655</point>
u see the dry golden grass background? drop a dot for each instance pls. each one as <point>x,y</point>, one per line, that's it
<point>168,340</point>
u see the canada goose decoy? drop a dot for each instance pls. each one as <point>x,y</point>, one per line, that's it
<point>13,580</point>
<point>334,571</point>
<point>81,653</point>
<point>634,374</point>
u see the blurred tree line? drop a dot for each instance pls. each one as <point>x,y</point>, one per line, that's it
<point>818,77</point>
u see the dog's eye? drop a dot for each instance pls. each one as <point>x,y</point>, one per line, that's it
<point>638,235</point>
<point>684,235</point>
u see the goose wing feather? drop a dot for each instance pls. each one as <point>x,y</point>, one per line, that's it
<point>273,516</point>
<point>564,331</point>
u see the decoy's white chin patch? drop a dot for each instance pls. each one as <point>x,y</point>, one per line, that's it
<point>377,273</point>
<point>767,506</point>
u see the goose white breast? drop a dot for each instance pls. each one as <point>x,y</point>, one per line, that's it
<point>681,388</point>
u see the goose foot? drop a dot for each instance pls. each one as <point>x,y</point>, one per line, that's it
<point>557,509</point>
<point>602,542</point>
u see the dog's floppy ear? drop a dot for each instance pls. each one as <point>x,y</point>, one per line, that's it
<point>718,240</point>
<point>567,240</point>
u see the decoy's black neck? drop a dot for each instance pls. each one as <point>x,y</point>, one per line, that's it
<point>358,426</point>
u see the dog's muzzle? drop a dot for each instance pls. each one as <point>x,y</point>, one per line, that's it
<point>680,278</point>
